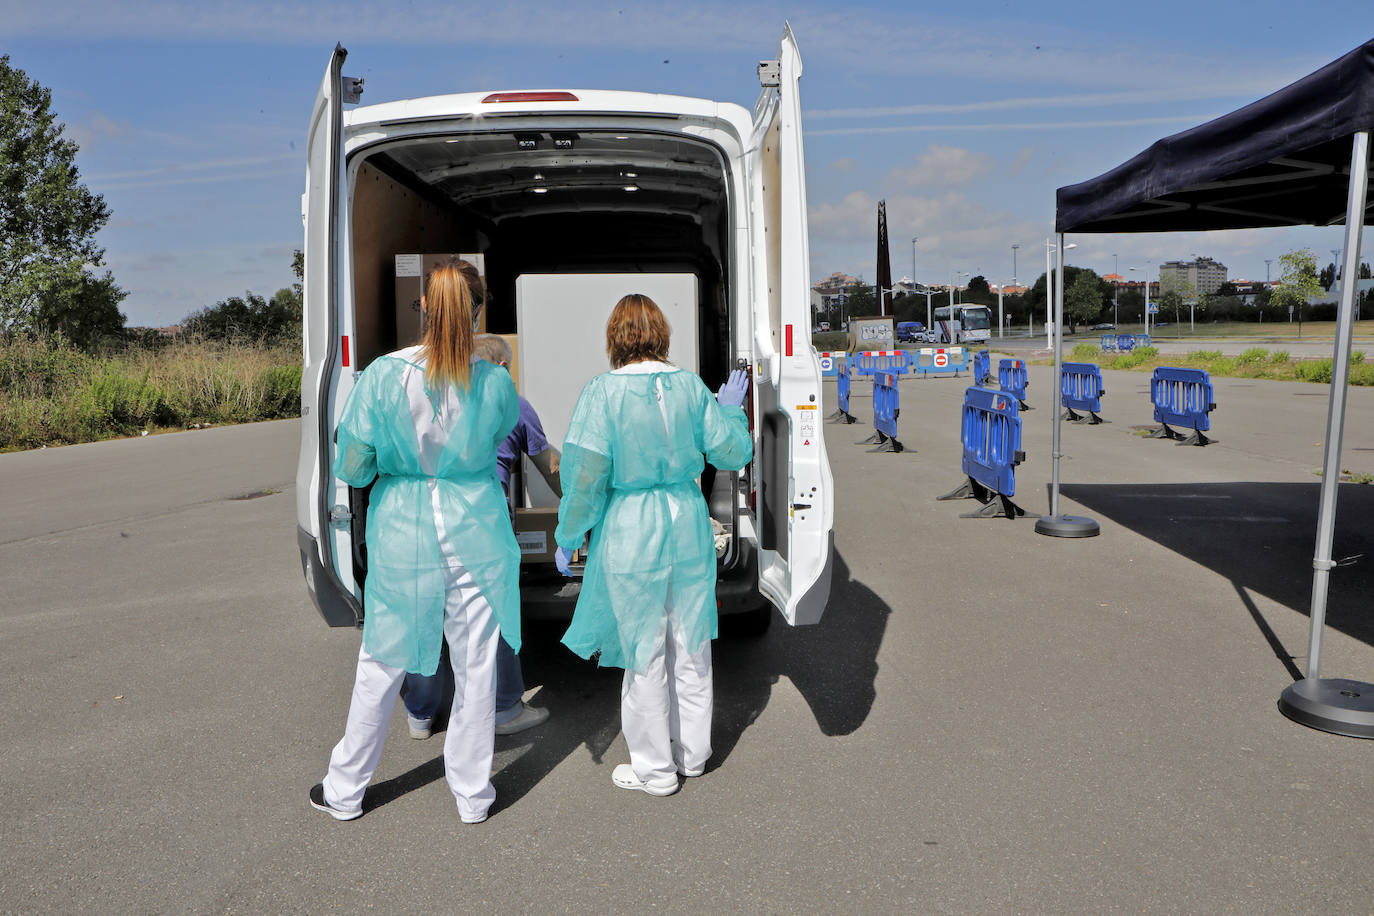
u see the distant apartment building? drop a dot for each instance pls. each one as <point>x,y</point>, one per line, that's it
<point>1202,275</point>
<point>831,292</point>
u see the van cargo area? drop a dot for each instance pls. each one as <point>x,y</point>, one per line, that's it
<point>536,205</point>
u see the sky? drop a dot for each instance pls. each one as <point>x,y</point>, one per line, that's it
<point>963,117</point>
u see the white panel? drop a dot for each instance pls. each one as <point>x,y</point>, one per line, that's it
<point>561,323</point>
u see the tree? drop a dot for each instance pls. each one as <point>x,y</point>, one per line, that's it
<point>1082,300</point>
<point>1327,277</point>
<point>860,299</point>
<point>1175,293</point>
<point>979,291</point>
<point>48,220</point>
<point>1298,282</point>
<point>85,311</point>
<point>1035,296</point>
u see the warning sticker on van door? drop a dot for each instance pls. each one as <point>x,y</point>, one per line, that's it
<point>407,265</point>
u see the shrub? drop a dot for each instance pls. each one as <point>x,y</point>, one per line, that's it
<point>1086,352</point>
<point>1313,370</point>
<point>1204,356</point>
<point>1278,356</point>
<point>1252,355</point>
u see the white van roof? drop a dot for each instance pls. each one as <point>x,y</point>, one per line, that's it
<point>510,103</point>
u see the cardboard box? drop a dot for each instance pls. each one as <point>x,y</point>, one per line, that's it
<point>412,277</point>
<point>534,530</point>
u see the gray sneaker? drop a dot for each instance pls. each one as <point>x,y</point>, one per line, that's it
<point>529,717</point>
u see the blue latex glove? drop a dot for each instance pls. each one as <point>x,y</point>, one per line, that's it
<point>732,393</point>
<point>562,558</point>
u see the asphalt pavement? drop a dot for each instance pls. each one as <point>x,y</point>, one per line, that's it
<point>986,721</point>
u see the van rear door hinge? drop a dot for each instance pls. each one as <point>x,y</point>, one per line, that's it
<point>340,516</point>
<point>770,73</point>
<point>351,89</point>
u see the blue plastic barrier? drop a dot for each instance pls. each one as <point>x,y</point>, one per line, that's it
<point>982,367</point>
<point>1108,341</point>
<point>1182,397</point>
<point>991,436</point>
<point>1011,378</point>
<point>1080,385</point>
<point>941,361</point>
<point>831,361</point>
<point>870,362</point>
<point>1125,342</point>
<point>887,406</point>
<point>842,395</point>
<point>1143,340</point>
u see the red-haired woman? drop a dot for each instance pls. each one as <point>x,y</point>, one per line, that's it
<point>630,466</point>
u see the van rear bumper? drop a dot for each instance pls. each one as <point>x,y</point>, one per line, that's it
<point>336,606</point>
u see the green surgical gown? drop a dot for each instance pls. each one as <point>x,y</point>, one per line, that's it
<point>630,469</point>
<point>437,502</point>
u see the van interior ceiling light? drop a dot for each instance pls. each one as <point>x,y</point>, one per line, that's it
<point>631,187</point>
<point>526,141</point>
<point>563,141</point>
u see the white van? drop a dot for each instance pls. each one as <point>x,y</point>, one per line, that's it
<point>568,183</point>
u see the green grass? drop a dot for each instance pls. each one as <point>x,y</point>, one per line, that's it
<point>52,394</point>
<point>1268,331</point>
<point>1255,362</point>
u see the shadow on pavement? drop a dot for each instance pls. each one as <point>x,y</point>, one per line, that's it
<point>1260,536</point>
<point>832,664</point>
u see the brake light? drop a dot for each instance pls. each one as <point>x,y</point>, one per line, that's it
<point>530,97</point>
<point>788,345</point>
<point>345,351</point>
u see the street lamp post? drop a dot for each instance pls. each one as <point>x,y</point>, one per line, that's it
<point>1000,323</point>
<point>913,263</point>
<point>1052,317</point>
<point>1267,262</point>
<point>952,276</point>
<point>1116,289</point>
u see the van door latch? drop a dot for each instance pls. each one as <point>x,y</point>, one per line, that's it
<point>770,73</point>
<point>800,506</point>
<point>340,516</point>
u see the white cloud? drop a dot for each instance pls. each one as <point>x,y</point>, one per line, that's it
<point>1010,126</point>
<point>945,166</point>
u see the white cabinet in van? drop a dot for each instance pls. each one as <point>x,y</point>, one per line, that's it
<point>591,184</point>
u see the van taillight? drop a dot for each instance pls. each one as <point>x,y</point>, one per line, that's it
<point>530,97</point>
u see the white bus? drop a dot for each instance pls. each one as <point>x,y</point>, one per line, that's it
<point>969,324</point>
<point>618,189</point>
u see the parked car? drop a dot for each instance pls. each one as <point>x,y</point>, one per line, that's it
<point>822,326</point>
<point>1104,326</point>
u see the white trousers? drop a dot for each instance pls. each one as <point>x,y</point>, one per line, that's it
<point>669,703</point>
<point>472,637</point>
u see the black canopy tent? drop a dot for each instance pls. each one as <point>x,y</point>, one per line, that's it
<point>1297,157</point>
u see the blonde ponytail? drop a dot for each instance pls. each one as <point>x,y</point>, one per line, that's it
<point>447,339</point>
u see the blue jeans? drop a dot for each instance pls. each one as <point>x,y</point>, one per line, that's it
<point>424,692</point>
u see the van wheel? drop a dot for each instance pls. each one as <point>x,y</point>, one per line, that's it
<point>752,623</point>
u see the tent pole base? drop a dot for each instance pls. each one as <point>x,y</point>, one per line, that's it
<point>1067,526</point>
<point>1331,704</point>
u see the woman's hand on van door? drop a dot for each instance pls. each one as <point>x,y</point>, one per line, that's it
<point>732,393</point>
<point>562,558</point>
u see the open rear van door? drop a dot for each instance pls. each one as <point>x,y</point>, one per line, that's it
<point>322,502</point>
<point>795,507</point>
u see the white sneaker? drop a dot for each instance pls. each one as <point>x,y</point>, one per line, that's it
<point>624,777</point>
<point>420,729</point>
<point>689,772</point>
<point>529,717</point>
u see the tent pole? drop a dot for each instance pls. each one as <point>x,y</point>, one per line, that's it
<point>1335,415</point>
<point>1055,524</point>
<point>1337,705</point>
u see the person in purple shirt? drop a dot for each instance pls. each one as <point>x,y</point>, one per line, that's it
<point>424,692</point>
